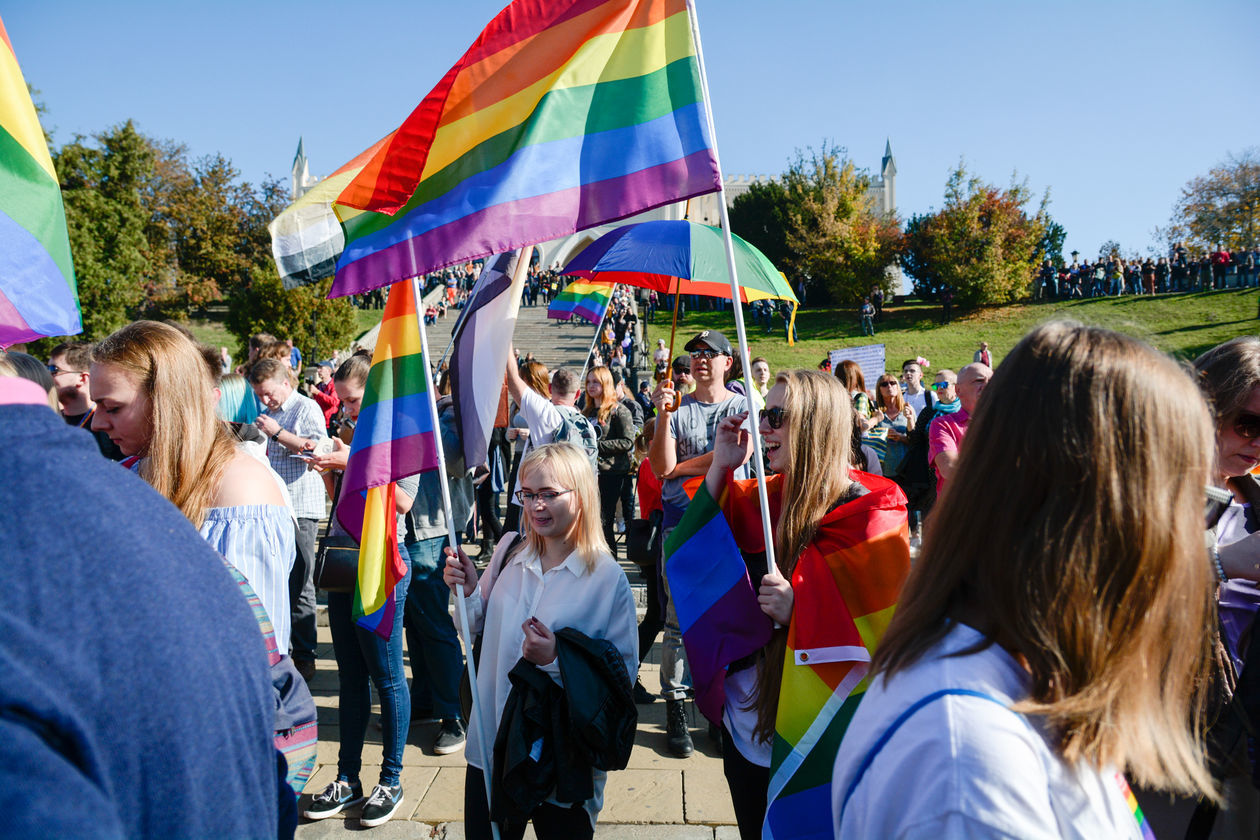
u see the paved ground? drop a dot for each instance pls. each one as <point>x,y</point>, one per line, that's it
<point>656,796</point>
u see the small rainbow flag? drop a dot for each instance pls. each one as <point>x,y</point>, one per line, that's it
<point>394,438</point>
<point>562,115</point>
<point>38,294</point>
<point>583,298</point>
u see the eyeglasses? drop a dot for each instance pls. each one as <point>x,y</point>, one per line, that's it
<point>1247,426</point>
<point>773,416</point>
<point>546,497</point>
<point>940,386</point>
<point>704,354</point>
<point>54,370</point>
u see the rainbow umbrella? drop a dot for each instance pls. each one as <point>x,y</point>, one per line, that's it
<point>679,257</point>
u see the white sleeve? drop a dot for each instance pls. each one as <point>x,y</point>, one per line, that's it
<point>541,415</point>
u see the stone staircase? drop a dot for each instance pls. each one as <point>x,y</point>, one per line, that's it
<point>554,343</point>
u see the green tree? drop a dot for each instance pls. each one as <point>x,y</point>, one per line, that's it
<point>103,185</point>
<point>983,243</point>
<point>1222,208</point>
<point>316,324</point>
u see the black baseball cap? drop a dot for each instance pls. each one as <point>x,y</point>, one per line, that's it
<point>682,363</point>
<point>712,339</point>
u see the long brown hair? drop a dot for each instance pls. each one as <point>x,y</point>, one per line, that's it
<point>1085,461</point>
<point>850,373</point>
<point>819,416</point>
<point>894,406</point>
<point>607,398</point>
<point>190,447</point>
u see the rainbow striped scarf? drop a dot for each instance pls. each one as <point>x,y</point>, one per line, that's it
<point>394,438</point>
<point>562,115</point>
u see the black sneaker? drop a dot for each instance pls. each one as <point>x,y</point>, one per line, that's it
<point>642,696</point>
<point>381,805</point>
<point>336,797</point>
<point>451,737</point>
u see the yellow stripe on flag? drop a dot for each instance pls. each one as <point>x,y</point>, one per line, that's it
<point>374,548</point>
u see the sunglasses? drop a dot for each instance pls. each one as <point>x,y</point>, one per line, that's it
<point>1247,426</point>
<point>773,417</point>
<point>54,370</point>
<point>940,386</point>
<point>704,354</point>
<point>888,384</point>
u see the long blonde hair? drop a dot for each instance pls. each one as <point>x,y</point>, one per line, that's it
<point>607,398</point>
<point>1073,527</point>
<point>819,415</point>
<point>573,470</point>
<point>190,446</point>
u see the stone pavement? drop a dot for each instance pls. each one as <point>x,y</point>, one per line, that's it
<point>656,796</point>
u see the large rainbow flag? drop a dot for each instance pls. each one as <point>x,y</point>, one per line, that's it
<point>584,298</point>
<point>38,294</point>
<point>562,115</point>
<point>394,438</point>
<point>845,585</point>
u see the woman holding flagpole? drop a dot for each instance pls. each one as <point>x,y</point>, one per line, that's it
<point>842,549</point>
<point>559,576</point>
<point>362,655</point>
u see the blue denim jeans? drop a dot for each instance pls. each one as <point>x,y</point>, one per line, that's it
<point>363,655</point>
<point>437,660</point>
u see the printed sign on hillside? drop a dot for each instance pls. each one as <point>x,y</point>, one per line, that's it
<point>869,357</point>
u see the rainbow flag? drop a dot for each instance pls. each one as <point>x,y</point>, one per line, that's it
<point>845,585</point>
<point>394,438</point>
<point>714,599</point>
<point>38,294</point>
<point>562,115</point>
<point>583,298</point>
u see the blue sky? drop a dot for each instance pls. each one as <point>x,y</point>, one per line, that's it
<point>1113,106</point>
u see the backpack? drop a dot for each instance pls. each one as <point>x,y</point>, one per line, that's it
<point>576,428</point>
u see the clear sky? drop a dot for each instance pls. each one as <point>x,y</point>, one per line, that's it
<point>1111,104</point>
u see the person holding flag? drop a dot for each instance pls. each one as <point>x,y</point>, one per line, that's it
<point>362,654</point>
<point>778,655</point>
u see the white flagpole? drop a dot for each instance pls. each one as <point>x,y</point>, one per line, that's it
<point>753,422</point>
<point>462,607</point>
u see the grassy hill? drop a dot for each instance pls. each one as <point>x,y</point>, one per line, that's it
<point>1182,325</point>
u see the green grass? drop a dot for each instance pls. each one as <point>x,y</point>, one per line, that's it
<point>214,334</point>
<point>1181,325</point>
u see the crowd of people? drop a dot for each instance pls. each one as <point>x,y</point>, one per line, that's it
<point>1031,668</point>
<point>1181,271</point>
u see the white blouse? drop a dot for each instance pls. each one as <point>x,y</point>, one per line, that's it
<point>596,601</point>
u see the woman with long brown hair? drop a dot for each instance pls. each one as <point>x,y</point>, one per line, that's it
<point>824,519</point>
<point>616,440</point>
<point>1054,633</point>
<point>895,419</point>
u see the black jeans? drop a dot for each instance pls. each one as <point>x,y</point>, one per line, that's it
<point>653,619</point>
<point>749,784</point>
<point>614,487</point>
<point>551,822</point>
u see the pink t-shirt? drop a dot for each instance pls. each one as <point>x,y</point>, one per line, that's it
<point>945,435</point>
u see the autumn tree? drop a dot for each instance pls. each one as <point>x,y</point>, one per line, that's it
<point>821,222</point>
<point>1222,208</point>
<point>983,242</point>
<point>317,324</point>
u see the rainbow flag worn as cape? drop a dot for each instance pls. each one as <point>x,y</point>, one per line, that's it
<point>394,438</point>
<point>845,586</point>
<point>583,298</point>
<point>38,293</point>
<point>562,115</point>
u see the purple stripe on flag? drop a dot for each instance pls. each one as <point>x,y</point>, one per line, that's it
<point>383,463</point>
<point>538,219</point>
<point>719,637</point>
<point>13,327</point>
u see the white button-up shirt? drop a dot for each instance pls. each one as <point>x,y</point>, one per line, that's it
<point>596,601</point>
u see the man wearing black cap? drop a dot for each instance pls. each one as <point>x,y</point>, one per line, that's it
<point>680,372</point>
<point>682,448</point>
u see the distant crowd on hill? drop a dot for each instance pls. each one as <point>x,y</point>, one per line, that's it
<point>1183,271</point>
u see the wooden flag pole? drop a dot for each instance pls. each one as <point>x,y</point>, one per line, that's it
<point>753,420</point>
<point>460,600</point>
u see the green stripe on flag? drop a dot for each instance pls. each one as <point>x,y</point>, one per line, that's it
<point>395,378</point>
<point>33,200</point>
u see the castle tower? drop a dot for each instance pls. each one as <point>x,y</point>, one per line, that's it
<point>300,177</point>
<point>888,177</point>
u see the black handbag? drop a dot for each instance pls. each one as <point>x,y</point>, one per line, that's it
<point>337,563</point>
<point>643,539</point>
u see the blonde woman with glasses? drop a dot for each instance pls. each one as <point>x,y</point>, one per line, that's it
<point>559,576</point>
<point>1053,638</point>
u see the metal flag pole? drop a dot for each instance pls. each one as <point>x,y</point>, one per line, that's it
<point>771,566</point>
<point>460,600</point>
